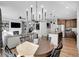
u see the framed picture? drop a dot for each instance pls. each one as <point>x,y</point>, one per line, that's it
<point>37,26</point>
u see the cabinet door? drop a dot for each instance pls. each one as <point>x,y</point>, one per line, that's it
<point>61,21</point>
<point>68,23</point>
<point>73,23</point>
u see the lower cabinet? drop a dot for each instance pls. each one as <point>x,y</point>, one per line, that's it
<point>53,39</point>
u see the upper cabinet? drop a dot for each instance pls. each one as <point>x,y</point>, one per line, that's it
<point>74,23</point>
<point>61,22</point>
<point>70,23</point>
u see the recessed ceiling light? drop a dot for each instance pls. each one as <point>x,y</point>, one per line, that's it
<point>39,12</point>
<point>53,10</point>
<point>67,7</point>
<point>45,10</point>
<point>33,13</point>
<point>26,9</point>
<point>31,5</point>
<point>42,6</point>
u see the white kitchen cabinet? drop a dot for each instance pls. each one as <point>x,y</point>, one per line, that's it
<point>53,39</point>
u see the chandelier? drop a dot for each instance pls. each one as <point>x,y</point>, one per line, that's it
<point>39,16</point>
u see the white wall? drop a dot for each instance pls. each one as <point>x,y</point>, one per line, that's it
<point>43,29</point>
<point>78,29</point>
<point>15,9</point>
<point>10,12</point>
<point>14,29</point>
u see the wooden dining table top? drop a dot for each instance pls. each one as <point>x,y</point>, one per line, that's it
<point>45,47</point>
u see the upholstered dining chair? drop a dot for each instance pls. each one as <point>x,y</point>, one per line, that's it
<point>8,52</point>
<point>56,51</point>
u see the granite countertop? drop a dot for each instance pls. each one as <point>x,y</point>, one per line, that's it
<point>54,32</point>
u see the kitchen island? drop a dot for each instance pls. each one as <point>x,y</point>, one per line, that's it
<point>55,38</point>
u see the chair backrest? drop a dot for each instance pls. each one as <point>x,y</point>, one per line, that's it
<point>56,51</point>
<point>60,46</point>
<point>59,37</point>
<point>8,52</point>
<point>13,41</point>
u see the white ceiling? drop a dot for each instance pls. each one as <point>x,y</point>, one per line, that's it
<point>62,9</point>
<point>65,10</point>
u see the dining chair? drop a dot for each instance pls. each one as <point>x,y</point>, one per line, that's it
<point>8,52</point>
<point>56,51</point>
<point>60,37</point>
<point>13,41</point>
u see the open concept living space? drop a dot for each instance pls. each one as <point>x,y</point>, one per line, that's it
<point>39,28</point>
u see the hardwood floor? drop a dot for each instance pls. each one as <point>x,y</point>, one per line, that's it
<point>0,52</point>
<point>69,48</point>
